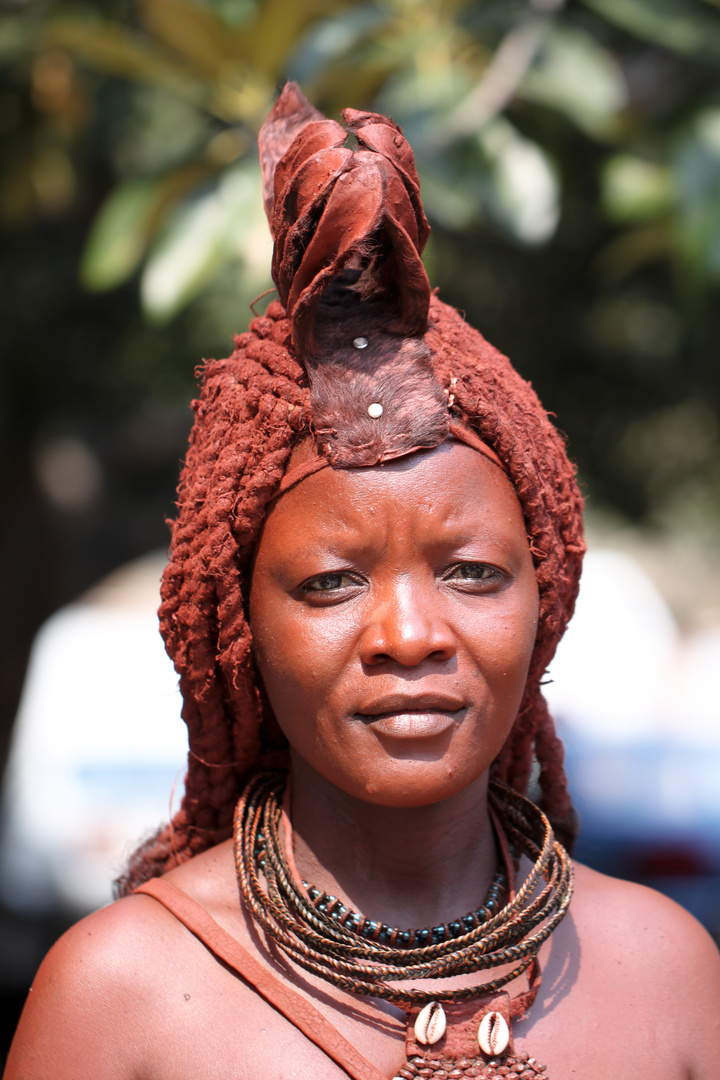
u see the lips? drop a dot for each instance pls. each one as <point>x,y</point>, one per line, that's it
<point>412,716</point>
<point>404,702</point>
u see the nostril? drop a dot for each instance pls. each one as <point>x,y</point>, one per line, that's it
<point>408,652</point>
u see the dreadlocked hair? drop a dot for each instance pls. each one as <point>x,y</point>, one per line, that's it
<point>286,382</point>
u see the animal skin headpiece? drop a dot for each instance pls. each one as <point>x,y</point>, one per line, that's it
<point>359,359</point>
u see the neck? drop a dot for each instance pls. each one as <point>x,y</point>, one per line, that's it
<point>406,866</point>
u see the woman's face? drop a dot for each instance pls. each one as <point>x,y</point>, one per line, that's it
<point>394,612</point>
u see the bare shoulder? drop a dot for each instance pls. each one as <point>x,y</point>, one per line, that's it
<point>643,925</point>
<point>642,946</point>
<point>114,988</point>
<point>84,1013</point>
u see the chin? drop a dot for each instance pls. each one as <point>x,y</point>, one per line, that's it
<point>411,783</point>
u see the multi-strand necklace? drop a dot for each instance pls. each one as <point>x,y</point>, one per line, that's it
<point>462,1031</point>
<point>379,931</point>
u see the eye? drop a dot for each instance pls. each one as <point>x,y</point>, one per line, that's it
<point>474,574</point>
<point>472,571</point>
<point>333,586</point>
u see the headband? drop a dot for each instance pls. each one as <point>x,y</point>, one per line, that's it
<point>457,431</point>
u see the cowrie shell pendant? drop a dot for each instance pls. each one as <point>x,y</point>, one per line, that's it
<point>430,1024</point>
<point>493,1034</point>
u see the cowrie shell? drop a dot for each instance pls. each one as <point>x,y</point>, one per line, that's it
<point>430,1024</point>
<point>493,1034</point>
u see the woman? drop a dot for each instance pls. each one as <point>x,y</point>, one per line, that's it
<point>377,549</point>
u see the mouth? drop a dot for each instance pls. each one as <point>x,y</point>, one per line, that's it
<point>413,725</point>
<point>413,717</point>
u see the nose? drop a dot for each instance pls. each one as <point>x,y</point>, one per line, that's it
<point>407,627</point>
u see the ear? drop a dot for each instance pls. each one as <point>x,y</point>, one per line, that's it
<point>291,113</point>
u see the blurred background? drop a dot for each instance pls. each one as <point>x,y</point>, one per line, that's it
<point>569,155</point>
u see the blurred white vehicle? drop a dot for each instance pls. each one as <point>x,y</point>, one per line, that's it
<point>99,748</point>
<point>638,709</point>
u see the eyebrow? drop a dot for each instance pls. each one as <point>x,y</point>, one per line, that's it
<point>356,540</point>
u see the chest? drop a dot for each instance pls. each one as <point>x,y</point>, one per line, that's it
<point>217,1026</point>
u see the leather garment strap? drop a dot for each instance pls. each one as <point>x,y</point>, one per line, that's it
<point>295,1008</point>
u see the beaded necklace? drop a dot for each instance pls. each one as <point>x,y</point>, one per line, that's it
<point>380,931</point>
<point>464,1031</point>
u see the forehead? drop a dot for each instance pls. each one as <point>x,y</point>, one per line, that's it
<point>451,487</point>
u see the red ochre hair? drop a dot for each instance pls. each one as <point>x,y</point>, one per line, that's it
<point>277,389</point>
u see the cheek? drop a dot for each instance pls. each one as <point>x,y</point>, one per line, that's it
<point>300,662</point>
<point>306,677</point>
<point>502,646</point>
<point>286,668</point>
<point>521,633</point>
<point>502,639</point>
<point>530,621</point>
<point>518,640</point>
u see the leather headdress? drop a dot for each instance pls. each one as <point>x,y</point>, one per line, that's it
<point>349,229</point>
<point>343,220</point>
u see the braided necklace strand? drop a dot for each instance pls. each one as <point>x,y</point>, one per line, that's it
<point>367,958</point>
<point>380,931</point>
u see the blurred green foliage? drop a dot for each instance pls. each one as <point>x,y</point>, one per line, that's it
<point>488,92</point>
<point>569,156</point>
<point>536,126</point>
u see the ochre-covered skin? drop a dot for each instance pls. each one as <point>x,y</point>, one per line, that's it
<point>432,610</point>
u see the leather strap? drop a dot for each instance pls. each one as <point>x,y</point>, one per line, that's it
<point>465,434</point>
<point>295,1008</point>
